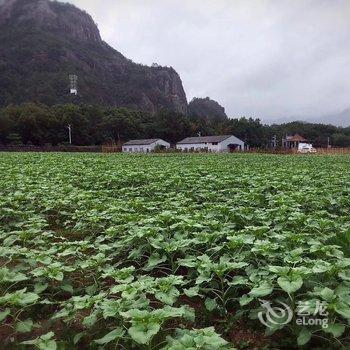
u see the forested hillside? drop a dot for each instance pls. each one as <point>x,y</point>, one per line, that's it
<point>39,124</point>
<point>206,107</point>
<point>43,42</point>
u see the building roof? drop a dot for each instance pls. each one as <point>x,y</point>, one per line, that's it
<point>140,142</point>
<point>204,139</point>
<point>295,138</point>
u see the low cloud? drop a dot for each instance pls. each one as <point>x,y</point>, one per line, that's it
<point>260,58</point>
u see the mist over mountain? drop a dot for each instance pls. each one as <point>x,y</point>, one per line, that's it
<point>42,42</point>
<point>337,119</point>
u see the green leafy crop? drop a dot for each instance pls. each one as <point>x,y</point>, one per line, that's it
<point>174,251</point>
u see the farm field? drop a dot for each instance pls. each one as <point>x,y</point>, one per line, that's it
<point>174,251</point>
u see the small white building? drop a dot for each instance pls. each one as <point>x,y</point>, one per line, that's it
<point>144,146</point>
<point>224,143</point>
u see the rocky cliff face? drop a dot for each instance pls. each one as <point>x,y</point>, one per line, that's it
<point>42,42</point>
<point>207,108</point>
<point>62,19</point>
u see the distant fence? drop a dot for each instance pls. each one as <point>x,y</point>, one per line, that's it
<point>111,148</point>
<point>344,150</point>
<point>335,150</point>
<point>271,151</point>
<point>26,148</point>
<point>117,148</point>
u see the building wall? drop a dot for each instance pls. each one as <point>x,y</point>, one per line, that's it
<point>162,143</point>
<point>231,140</point>
<point>191,147</point>
<point>220,147</point>
<point>145,148</point>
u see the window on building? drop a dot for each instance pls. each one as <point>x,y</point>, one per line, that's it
<point>214,143</point>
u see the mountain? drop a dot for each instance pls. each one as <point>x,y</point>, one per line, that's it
<point>205,107</point>
<point>42,42</point>
<point>337,119</point>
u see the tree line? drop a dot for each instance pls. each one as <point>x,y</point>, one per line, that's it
<point>38,124</point>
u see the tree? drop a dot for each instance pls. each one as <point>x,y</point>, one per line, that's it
<point>38,124</point>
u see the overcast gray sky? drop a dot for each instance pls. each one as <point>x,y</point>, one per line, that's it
<point>259,58</point>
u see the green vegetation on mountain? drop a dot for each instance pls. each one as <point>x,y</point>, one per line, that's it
<point>39,124</point>
<point>208,108</point>
<point>43,42</point>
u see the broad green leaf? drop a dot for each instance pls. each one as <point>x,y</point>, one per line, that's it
<point>280,270</point>
<point>90,320</point>
<point>304,336</point>
<point>4,314</point>
<point>203,278</point>
<point>265,288</point>
<point>343,309</point>
<point>58,276</point>
<point>345,275</point>
<point>210,304</point>
<point>206,339</point>
<point>327,294</point>
<point>168,297</point>
<point>24,326</point>
<point>143,333</point>
<point>153,261</point>
<point>189,261</point>
<point>10,240</point>
<point>48,345</point>
<point>39,288</point>
<point>336,329</point>
<point>19,298</point>
<point>192,292</point>
<point>91,290</point>
<point>8,276</point>
<point>290,285</point>
<point>48,336</point>
<point>44,342</point>
<point>321,266</point>
<point>67,288</point>
<point>111,336</point>
<point>238,280</point>
<point>245,299</point>
<point>78,337</point>
<point>29,298</point>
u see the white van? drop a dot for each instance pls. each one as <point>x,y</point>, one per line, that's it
<point>306,148</point>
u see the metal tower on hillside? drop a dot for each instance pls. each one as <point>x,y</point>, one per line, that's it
<point>73,80</point>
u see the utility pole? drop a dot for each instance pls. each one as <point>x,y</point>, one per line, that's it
<point>274,142</point>
<point>70,133</point>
